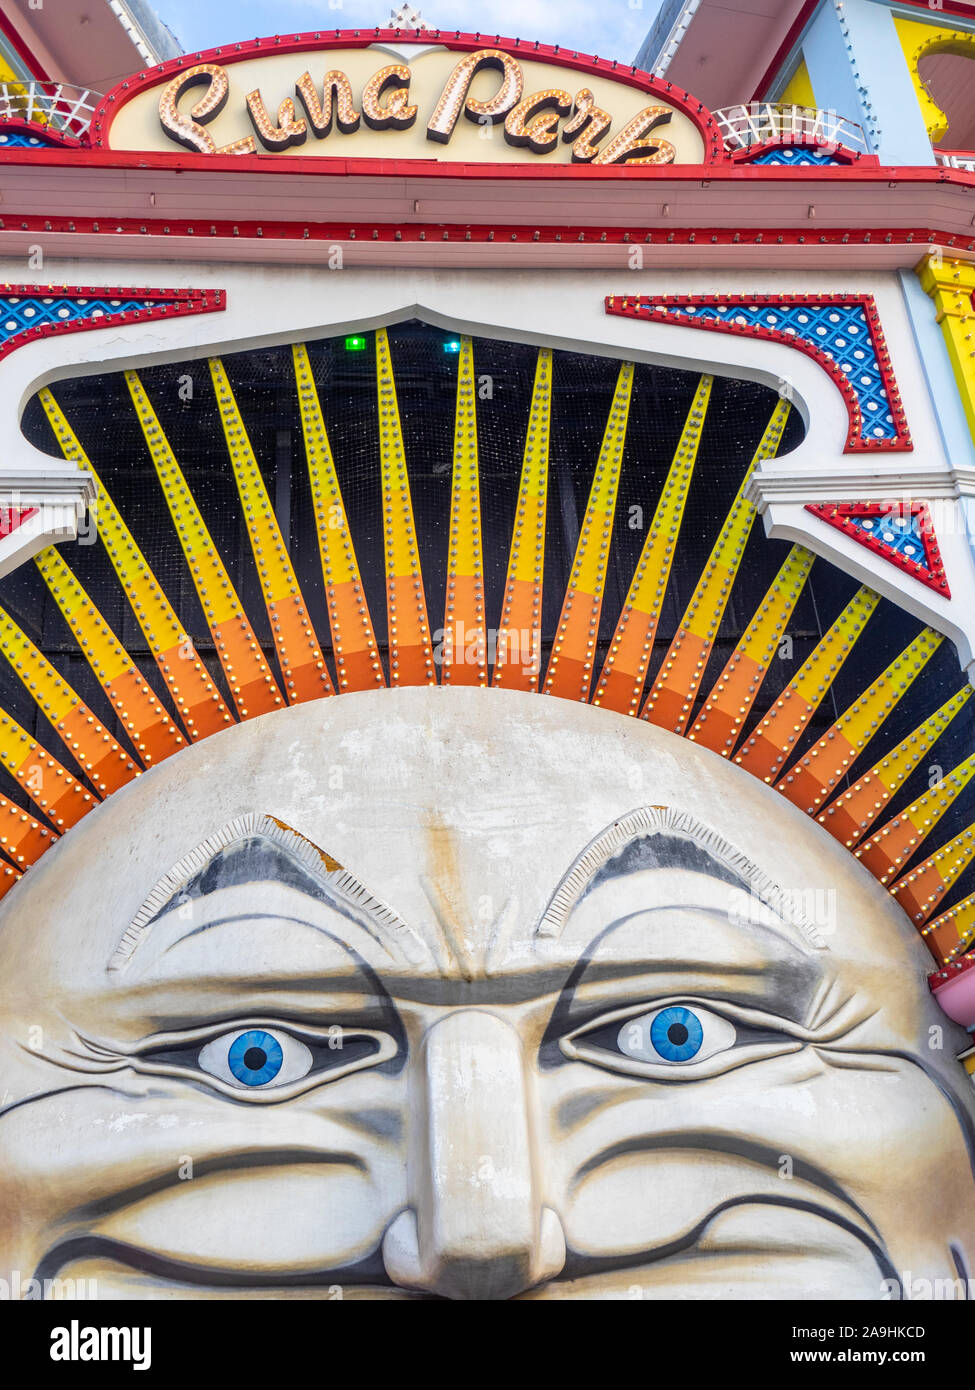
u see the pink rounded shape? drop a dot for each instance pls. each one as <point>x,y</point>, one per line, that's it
<point>957,998</point>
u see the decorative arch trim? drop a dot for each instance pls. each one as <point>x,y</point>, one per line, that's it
<point>842,333</point>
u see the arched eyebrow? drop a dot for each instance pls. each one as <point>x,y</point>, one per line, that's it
<point>258,848</point>
<point>660,837</point>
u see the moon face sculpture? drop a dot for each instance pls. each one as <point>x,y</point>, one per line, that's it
<point>469,994</point>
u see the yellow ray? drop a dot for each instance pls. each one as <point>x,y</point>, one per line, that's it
<point>465,635</point>
<point>47,782</point>
<point>810,781</point>
<point>519,649</point>
<point>718,726</point>
<point>570,665</point>
<point>299,656</point>
<point>624,671</point>
<point>248,674</point>
<point>357,661</point>
<point>147,723</point>
<point>672,695</point>
<point>106,763</point>
<point>410,650</point>
<point>771,741</point>
<point>889,848</point>
<point>200,704</point>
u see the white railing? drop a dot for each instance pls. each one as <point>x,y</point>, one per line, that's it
<point>951,159</point>
<point>760,121</point>
<point>58,105</point>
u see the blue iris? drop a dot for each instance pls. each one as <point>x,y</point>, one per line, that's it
<point>677,1034</point>
<point>255,1057</point>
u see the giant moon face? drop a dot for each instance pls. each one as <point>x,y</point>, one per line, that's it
<point>476,994</point>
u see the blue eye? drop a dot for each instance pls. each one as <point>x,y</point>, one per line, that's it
<point>255,1058</point>
<point>250,1058</point>
<point>676,1033</point>
<point>672,1035</point>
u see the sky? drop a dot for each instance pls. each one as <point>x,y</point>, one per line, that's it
<point>609,28</point>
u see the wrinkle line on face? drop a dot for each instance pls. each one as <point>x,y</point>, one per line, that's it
<point>579,1266</point>
<point>221,1163</point>
<point>762,1154</point>
<point>368,1271</point>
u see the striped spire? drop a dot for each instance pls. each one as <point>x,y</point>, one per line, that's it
<point>107,765</point>
<point>153,732</point>
<point>892,845</point>
<point>949,935</point>
<point>47,782</point>
<point>22,838</point>
<point>920,891</point>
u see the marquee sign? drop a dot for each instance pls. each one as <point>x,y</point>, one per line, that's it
<point>456,98</point>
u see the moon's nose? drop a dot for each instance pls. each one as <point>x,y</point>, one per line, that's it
<point>477,1228</point>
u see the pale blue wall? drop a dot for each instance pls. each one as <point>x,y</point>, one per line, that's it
<point>858,69</point>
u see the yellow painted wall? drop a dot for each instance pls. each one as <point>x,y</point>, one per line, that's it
<point>798,91</point>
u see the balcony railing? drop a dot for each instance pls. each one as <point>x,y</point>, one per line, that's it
<point>759,122</point>
<point>57,105</point>
<point>956,159</point>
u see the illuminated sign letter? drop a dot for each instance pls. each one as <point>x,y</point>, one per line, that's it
<point>535,121</point>
<point>186,127</point>
<point>631,146</point>
<point>288,130</point>
<point>453,98</point>
<point>336,97</point>
<point>394,113</point>
<point>587,127</point>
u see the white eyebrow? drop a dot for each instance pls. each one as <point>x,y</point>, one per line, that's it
<point>334,881</point>
<point>664,820</point>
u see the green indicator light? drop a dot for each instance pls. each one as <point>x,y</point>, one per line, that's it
<point>355,344</point>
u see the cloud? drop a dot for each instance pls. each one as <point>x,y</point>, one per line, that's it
<point>613,28</point>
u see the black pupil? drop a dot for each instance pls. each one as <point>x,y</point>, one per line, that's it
<point>255,1058</point>
<point>677,1034</point>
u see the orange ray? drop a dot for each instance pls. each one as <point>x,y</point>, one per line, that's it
<point>200,704</point>
<point>624,672</point>
<point>150,728</point>
<point>357,661</point>
<point>573,653</point>
<point>718,726</point>
<point>253,687</point>
<point>809,782</point>
<point>672,695</point>
<point>302,665</point>
<point>770,743</point>
<point>519,654</point>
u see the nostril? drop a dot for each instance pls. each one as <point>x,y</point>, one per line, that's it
<point>401,1252</point>
<point>504,1275</point>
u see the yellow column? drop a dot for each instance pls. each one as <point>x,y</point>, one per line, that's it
<point>951,284</point>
